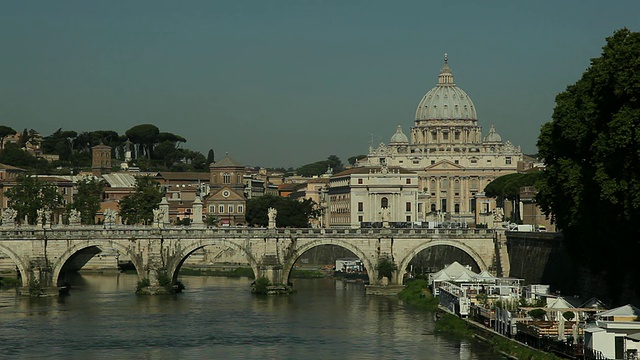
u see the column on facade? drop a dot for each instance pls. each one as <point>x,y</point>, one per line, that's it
<point>437,199</point>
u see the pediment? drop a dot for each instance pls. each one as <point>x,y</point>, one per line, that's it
<point>232,195</point>
<point>444,165</point>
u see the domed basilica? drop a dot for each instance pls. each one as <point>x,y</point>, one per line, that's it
<point>454,162</point>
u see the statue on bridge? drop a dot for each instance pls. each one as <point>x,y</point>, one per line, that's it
<point>272,213</point>
<point>110,217</point>
<point>158,217</point>
<point>9,217</point>
<point>74,217</point>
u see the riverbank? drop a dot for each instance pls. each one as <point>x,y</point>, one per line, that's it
<point>417,295</point>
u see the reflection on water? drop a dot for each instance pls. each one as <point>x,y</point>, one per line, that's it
<point>220,318</point>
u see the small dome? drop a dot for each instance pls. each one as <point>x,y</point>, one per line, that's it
<point>399,137</point>
<point>446,101</point>
<point>492,136</point>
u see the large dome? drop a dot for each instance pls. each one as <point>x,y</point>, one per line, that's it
<point>446,101</point>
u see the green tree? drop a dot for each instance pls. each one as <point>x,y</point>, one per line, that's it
<point>386,268</point>
<point>591,149</point>
<point>352,160</point>
<point>291,213</point>
<point>145,135</point>
<point>137,208</point>
<point>4,132</point>
<point>87,200</point>
<point>568,315</point>
<point>29,194</point>
<point>321,167</point>
<point>507,188</point>
<point>211,157</point>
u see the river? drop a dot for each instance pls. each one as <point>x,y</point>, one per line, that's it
<point>218,318</point>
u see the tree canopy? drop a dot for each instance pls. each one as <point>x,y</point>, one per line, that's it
<point>29,195</point>
<point>137,208</point>
<point>507,187</point>
<point>87,200</point>
<point>591,149</point>
<point>291,213</point>
<point>321,167</point>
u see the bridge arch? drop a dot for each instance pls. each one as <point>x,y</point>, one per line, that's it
<point>173,267</point>
<point>306,246</point>
<point>79,246</point>
<point>22,267</point>
<point>423,246</point>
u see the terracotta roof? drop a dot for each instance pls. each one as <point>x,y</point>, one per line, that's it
<point>226,162</point>
<point>168,175</point>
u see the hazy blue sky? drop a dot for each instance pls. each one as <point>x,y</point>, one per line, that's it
<point>284,83</point>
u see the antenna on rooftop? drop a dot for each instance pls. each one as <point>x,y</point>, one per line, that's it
<point>372,139</point>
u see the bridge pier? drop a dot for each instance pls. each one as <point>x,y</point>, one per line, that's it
<point>38,280</point>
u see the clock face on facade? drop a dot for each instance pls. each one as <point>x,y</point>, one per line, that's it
<point>226,193</point>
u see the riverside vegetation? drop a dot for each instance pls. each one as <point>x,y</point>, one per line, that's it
<point>416,293</point>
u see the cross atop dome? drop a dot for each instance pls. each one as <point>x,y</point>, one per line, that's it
<point>446,58</point>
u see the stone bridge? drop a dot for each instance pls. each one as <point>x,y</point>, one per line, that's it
<point>44,254</point>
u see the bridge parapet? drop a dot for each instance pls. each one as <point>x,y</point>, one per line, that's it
<point>136,232</point>
<point>270,252</point>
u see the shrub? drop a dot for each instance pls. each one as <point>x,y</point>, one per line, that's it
<point>143,283</point>
<point>9,282</point>
<point>386,268</point>
<point>568,315</point>
<point>261,285</point>
<point>538,314</point>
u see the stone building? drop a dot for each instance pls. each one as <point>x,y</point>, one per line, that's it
<point>377,194</point>
<point>226,199</point>
<point>447,150</point>
<point>101,159</point>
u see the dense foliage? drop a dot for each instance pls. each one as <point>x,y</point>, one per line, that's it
<point>29,195</point>
<point>591,149</point>
<point>291,213</point>
<point>150,149</point>
<point>321,167</point>
<point>87,200</point>
<point>137,208</point>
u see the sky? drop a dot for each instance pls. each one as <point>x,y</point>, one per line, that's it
<point>286,83</point>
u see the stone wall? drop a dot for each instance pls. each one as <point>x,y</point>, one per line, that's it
<point>542,258</point>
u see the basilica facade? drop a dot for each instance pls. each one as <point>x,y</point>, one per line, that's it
<point>453,160</point>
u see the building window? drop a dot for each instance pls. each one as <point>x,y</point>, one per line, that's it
<point>360,206</point>
<point>434,136</point>
<point>474,161</point>
<point>408,206</point>
<point>240,209</point>
<point>230,209</point>
<point>226,178</point>
<point>456,135</point>
<point>384,202</point>
<point>456,162</point>
<point>433,207</point>
<point>408,181</point>
<point>507,160</point>
<point>212,209</point>
<point>408,218</point>
<point>488,161</point>
<point>416,162</point>
<point>433,162</point>
<point>445,136</point>
<point>221,209</point>
<point>360,218</point>
<point>359,181</point>
<point>456,208</point>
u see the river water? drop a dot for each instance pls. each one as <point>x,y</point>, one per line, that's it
<point>218,318</point>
